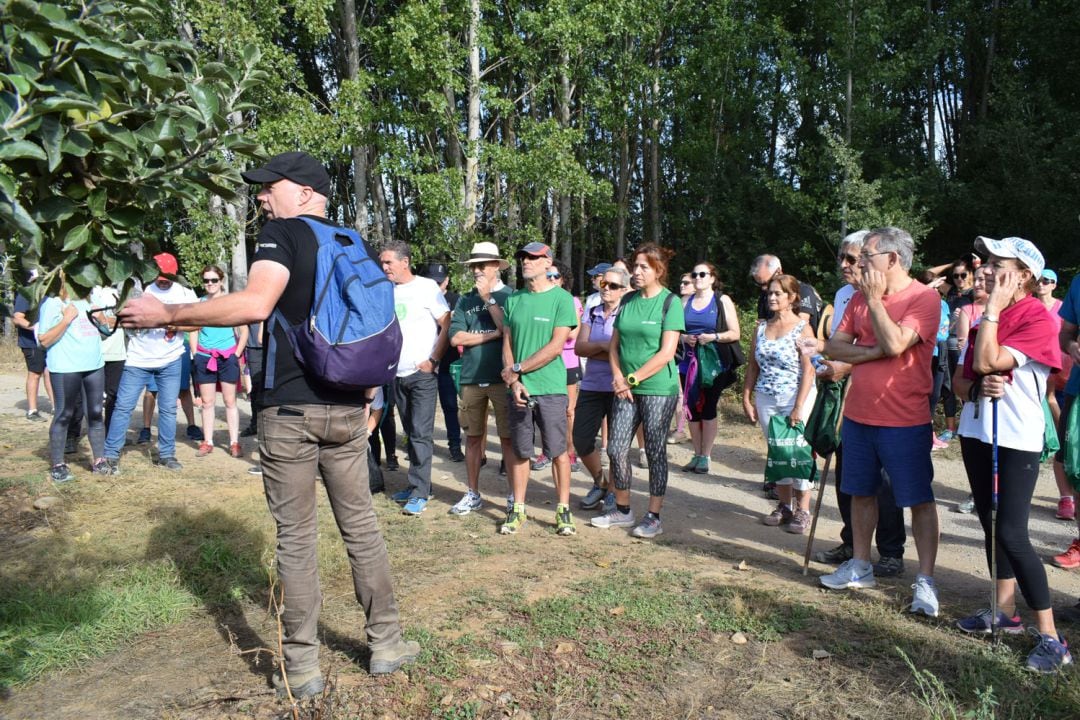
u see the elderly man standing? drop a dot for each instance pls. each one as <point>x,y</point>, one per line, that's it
<point>887,335</point>
<point>539,318</point>
<point>305,427</point>
<point>424,316</point>
<point>476,325</point>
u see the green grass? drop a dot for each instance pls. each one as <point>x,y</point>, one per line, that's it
<point>48,627</point>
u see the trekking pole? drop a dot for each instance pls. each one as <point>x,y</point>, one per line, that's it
<point>993,521</point>
<point>817,511</point>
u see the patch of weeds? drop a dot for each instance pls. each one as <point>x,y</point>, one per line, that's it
<point>29,483</point>
<point>439,658</point>
<point>941,703</point>
<point>50,627</point>
<point>466,711</point>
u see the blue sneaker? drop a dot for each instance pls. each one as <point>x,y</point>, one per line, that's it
<point>979,623</point>
<point>195,433</point>
<point>1050,655</point>
<point>609,502</point>
<point>946,436</point>
<point>593,498</point>
<point>144,436</point>
<point>415,506</point>
<point>402,496</point>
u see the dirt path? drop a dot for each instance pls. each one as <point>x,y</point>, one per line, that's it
<point>711,522</point>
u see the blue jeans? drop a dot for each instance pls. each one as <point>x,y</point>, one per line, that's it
<point>132,383</point>
<point>448,402</point>
<point>416,395</point>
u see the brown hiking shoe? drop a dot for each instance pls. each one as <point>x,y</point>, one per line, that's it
<point>391,658</point>
<point>780,516</point>
<point>800,522</point>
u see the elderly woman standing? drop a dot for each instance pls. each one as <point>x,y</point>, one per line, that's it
<point>595,397</point>
<point>701,314</point>
<point>646,385</point>
<point>216,359</point>
<point>783,382</point>
<point>1004,373</point>
<point>76,364</point>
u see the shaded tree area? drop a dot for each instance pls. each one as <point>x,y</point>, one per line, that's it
<point>724,128</point>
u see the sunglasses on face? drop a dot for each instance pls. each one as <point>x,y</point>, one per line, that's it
<point>554,276</point>
<point>699,274</point>
<point>1047,281</point>
<point>605,285</point>
<point>685,282</point>
<point>848,259</point>
<point>210,280</point>
<point>960,276</point>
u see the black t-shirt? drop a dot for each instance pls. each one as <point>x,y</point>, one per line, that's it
<point>26,337</point>
<point>452,353</point>
<point>290,242</point>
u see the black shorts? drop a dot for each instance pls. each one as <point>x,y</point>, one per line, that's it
<point>228,370</point>
<point>35,359</point>
<point>573,375</point>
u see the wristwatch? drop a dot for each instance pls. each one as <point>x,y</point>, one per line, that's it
<point>516,368</point>
<point>632,380</point>
<point>491,301</point>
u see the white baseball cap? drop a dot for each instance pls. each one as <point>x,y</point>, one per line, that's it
<point>1013,247</point>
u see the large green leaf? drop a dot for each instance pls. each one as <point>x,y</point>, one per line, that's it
<point>76,238</point>
<point>51,136</point>
<point>15,149</point>
<point>53,209</point>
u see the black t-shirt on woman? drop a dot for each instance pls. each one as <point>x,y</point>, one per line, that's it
<point>291,243</point>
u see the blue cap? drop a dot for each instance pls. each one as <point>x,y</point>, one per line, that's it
<point>599,269</point>
<point>1050,275</point>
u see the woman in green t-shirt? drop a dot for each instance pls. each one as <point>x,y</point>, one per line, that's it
<point>646,385</point>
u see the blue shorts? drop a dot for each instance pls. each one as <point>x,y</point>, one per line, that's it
<point>228,370</point>
<point>904,453</point>
<point>185,374</point>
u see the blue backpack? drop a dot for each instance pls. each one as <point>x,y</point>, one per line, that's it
<point>351,340</point>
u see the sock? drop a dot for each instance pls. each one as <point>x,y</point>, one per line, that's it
<point>624,509</point>
<point>519,508</point>
<point>654,514</point>
<point>929,580</point>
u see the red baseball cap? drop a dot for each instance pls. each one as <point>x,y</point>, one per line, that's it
<point>167,264</point>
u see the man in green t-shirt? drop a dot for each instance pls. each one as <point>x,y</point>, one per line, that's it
<point>539,319</point>
<point>476,325</point>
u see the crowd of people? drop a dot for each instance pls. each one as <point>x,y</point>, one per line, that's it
<point>581,381</point>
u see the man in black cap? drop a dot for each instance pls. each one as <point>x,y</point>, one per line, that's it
<point>304,428</point>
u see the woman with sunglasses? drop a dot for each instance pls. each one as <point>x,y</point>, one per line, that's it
<point>701,313</point>
<point>646,385</point>
<point>216,361</point>
<point>961,279</point>
<point>77,367</point>
<point>594,400</point>
<point>1004,372</point>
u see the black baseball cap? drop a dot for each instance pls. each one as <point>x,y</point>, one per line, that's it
<point>435,271</point>
<point>299,167</point>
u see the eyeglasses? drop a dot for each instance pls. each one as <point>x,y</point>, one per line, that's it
<point>685,282</point>
<point>210,280</point>
<point>847,259</point>
<point>960,276</point>
<point>105,330</point>
<point>554,276</point>
<point>699,274</point>
<point>605,285</point>
<point>1047,281</point>
<point>867,256</point>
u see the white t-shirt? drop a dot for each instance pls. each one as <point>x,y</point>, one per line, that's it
<point>151,349</point>
<point>1020,413</point>
<point>591,302</point>
<point>420,305</point>
<point>840,303</point>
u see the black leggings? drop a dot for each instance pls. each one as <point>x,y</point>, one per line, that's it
<point>1017,473</point>
<point>67,389</point>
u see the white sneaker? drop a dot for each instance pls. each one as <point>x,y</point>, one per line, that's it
<point>925,600</point>
<point>603,457</point>
<point>469,501</point>
<point>642,458</point>
<point>614,518</point>
<point>852,574</point>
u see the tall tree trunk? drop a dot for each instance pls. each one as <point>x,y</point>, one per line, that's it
<point>564,120</point>
<point>654,150</point>
<point>931,134</point>
<point>984,100</point>
<point>359,152</point>
<point>472,165</point>
<point>383,229</point>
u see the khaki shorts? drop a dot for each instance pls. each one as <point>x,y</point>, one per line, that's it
<point>473,409</point>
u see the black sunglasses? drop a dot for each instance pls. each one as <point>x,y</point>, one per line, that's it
<point>554,276</point>
<point>848,259</point>
<point>699,274</point>
<point>105,330</point>
<point>210,281</point>
<point>604,285</point>
<point>1047,281</point>
<point>960,276</point>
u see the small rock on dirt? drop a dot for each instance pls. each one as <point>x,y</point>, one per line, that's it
<point>508,646</point>
<point>46,502</point>
<point>822,654</point>
<point>742,565</point>
<point>738,638</point>
<point>564,648</point>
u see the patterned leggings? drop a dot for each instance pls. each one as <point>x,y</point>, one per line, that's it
<point>654,413</point>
